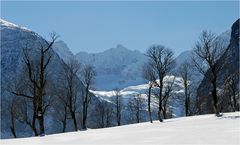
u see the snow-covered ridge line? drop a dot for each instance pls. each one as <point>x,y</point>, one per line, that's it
<point>130,90</point>
<point>12,25</point>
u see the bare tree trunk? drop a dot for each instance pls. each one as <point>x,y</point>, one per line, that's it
<point>84,118</point>
<point>72,111</point>
<point>64,122</point>
<point>41,124</point>
<point>160,100</point>
<point>138,114</point>
<point>164,109</point>
<point>13,130</point>
<point>85,106</point>
<point>40,117</point>
<point>88,74</point>
<point>164,112</point>
<point>214,95</point>
<point>118,112</point>
<point>149,103</point>
<point>74,120</point>
<point>64,127</point>
<point>186,98</point>
<point>235,108</point>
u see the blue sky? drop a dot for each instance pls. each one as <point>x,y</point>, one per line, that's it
<point>97,26</point>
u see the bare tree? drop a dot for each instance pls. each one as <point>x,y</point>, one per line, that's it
<point>60,106</point>
<point>117,95</point>
<point>19,112</point>
<point>100,114</point>
<point>103,114</point>
<point>230,89</point>
<point>150,75</point>
<point>71,87</point>
<point>13,113</point>
<point>162,60</point>
<point>168,87</point>
<point>88,75</point>
<point>136,105</point>
<point>209,50</point>
<point>185,72</point>
<point>37,75</point>
<point>109,115</point>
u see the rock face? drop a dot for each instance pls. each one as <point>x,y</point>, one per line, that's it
<point>116,67</point>
<point>63,51</point>
<point>231,65</point>
<point>13,39</point>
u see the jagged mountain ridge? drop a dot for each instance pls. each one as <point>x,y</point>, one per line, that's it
<point>121,67</point>
<point>116,67</point>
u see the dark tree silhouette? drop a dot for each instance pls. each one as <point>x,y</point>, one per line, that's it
<point>136,105</point>
<point>117,95</point>
<point>168,87</point>
<point>185,72</point>
<point>36,68</point>
<point>162,61</point>
<point>207,52</point>
<point>71,87</point>
<point>88,75</point>
<point>149,75</point>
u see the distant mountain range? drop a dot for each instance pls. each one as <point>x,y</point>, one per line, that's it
<point>116,67</point>
<point>121,67</point>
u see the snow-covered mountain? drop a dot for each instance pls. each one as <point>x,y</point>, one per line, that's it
<point>203,129</point>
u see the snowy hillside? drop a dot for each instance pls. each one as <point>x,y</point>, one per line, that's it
<point>204,129</point>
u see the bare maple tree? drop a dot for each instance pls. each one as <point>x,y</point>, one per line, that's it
<point>36,69</point>
<point>117,101</point>
<point>149,75</point>
<point>71,87</point>
<point>162,61</point>
<point>88,76</point>
<point>185,73</point>
<point>207,52</point>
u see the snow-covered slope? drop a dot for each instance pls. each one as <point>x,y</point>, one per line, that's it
<point>204,129</point>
